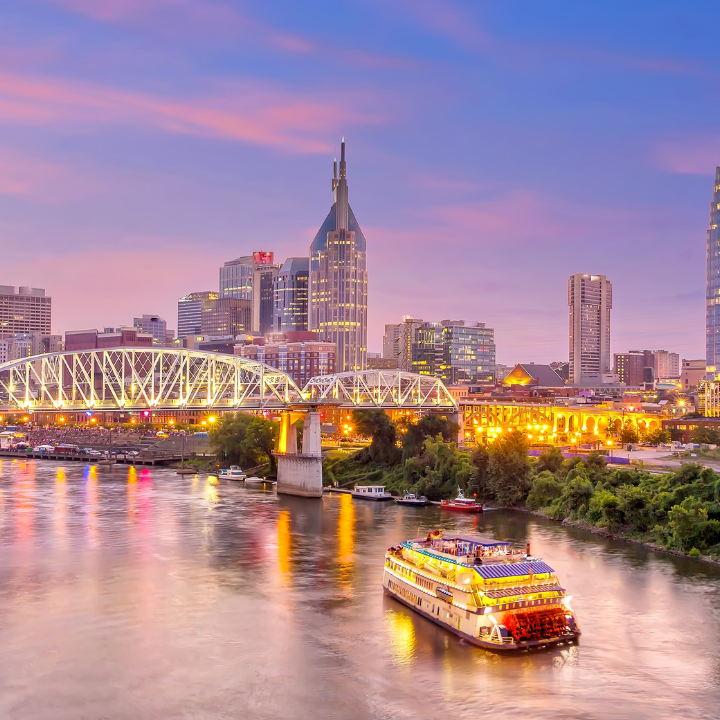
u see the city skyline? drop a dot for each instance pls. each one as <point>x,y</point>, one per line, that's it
<point>178,156</point>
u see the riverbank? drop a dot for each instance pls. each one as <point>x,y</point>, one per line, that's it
<point>616,535</point>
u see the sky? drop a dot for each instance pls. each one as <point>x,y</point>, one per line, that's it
<point>493,149</point>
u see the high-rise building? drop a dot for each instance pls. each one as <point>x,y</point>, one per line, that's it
<point>630,367</point>
<point>339,280</point>
<point>190,312</point>
<point>398,342</point>
<point>24,310</point>
<point>291,296</point>
<point>667,365</point>
<point>157,327</point>
<point>590,302</point>
<point>712,287</point>
<point>225,317</point>
<point>455,351</point>
<point>252,277</point>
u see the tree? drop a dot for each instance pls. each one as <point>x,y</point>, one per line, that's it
<point>260,441</point>
<point>551,460</point>
<point>705,435</point>
<point>429,426</point>
<point>657,436</point>
<point>377,425</point>
<point>629,434</point>
<point>227,436</point>
<point>545,488</point>
<point>509,468</point>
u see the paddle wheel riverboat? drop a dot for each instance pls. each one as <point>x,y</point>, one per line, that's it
<point>482,590</point>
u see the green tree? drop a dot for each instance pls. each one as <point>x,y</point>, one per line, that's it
<point>227,436</point>
<point>260,442</point>
<point>656,436</point>
<point>439,470</point>
<point>629,434</point>
<point>545,488</point>
<point>705,435</point>
<point>377,425</point>
<point>509,469</point>
<point>431,425</point>
<point>551,460</point>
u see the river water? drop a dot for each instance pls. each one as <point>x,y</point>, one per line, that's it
<point>141,594</point>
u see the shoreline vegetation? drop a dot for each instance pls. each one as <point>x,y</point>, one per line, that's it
<point>677,511</point>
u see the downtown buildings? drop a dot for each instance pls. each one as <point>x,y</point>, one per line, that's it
<point>712,286</point>
<point>338,278</point>
<point>590,302</point>
<point>455,351</point>
<point>24,310</point>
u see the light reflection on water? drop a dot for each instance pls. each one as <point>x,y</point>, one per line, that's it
<point>131,593</point>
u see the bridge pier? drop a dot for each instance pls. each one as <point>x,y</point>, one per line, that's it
<point>300,473</point>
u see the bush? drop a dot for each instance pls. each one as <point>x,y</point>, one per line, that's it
<point>551,460</point>
<point>545,488</point>
<point>508,472</point>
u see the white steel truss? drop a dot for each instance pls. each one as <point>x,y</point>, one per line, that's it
<point>129,378</point>
<point>382,389</point>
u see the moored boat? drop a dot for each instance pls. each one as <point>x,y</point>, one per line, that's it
<point>462,504</point>
<point>233,473</point>
<point>371,492</point>
<point>482,590</point>
<point>255,481</point>
<point>411,499</point>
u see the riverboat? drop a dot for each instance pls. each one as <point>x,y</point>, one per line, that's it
<point>371,492</point>
<point>233,473</point>
<point>412,499</point>
<point>462,504</point>
<point>483,590</point>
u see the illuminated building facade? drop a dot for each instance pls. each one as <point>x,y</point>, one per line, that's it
<point>252,277</point>
<point>455,351</point>
<point>398,341</point>
<point>290,312</point>
<point>590,302</point>
<point>338,279</point>
<point>712,324</point>
<point>190,312</point>
<point>225,317</point>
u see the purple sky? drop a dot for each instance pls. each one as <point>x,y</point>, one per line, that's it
<point>493,149</point>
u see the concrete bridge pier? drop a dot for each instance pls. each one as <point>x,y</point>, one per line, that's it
<point>300,473</point>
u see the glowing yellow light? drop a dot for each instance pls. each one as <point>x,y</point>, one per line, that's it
<point>211,419</point>
<point>204,423</point>
<point>609,442</point>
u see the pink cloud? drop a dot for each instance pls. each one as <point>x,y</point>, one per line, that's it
<point>22,174</point>
<point>698,155</point>
<point>256,113</point>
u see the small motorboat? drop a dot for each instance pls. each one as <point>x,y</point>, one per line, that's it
<point>412,499</point>
<point>232,473</point>
<point>256,481</point>
<point>462,504</point>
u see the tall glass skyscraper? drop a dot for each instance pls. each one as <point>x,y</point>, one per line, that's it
<point>291,295</point>
<point>338,279</point>
<point>712,324</point>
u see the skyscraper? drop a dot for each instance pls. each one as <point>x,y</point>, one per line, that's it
<point>590,301</point>
<point>291,295</point>
<point>252,277</point>
<point>712,324</point>
<point>155,326</point>
<point>190,312</point>
<point>24,311</point>
<point>338,278</point>
<point>398,342</point>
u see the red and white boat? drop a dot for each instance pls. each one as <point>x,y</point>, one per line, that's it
<point>462,504</point>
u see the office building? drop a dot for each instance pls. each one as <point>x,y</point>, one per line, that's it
<point>252,278</point>
<point>691,373</point>
<point>157,327</point>
<point>299,354</point>
<point>712,286</point>
<point>455,351</point>
<point>190,312</point>
<point>339,279</point>
<point>667,365</point>
<point>76,340</point>
<point>24,310</point>
<point>225,317</point>
<point>398,341</point>
<point>590,302</point>
<point>290,304</point>
<point>630,367</point>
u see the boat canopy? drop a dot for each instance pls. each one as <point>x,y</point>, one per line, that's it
<point>475,540</point>
<point>512,569</point>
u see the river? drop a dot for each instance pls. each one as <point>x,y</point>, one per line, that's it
<point>137,593</point>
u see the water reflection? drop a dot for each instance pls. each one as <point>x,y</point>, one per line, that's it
<point>140,593</point>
